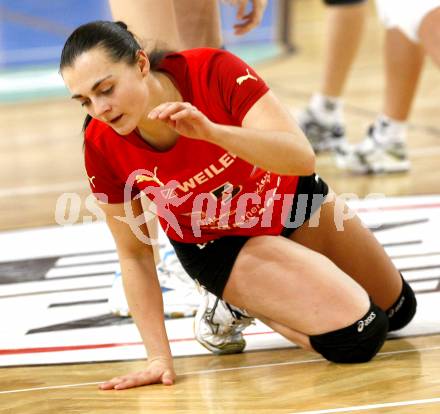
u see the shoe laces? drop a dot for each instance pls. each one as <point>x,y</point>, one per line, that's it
<point>226,319</point>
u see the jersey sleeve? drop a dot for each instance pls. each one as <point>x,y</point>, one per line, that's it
<point>105,185</point>
<point>237,84</point>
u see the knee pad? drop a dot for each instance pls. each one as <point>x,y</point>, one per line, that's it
<point>403,310</point>
<point>342,2</point>
<point>356,343</point>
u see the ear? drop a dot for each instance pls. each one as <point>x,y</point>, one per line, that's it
<point>143,62</point>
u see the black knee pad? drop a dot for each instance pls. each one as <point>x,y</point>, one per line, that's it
<point>341,2</point>
<point>403,310</point>
<point>356,343</point>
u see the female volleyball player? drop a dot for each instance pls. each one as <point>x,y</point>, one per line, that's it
<point>233,179</point>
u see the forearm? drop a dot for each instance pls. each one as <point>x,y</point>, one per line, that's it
<point>144,298</point>
<point>277,151</point>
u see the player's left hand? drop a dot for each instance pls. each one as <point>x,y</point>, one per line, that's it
<point>184,118</point>
<point>158,370</point>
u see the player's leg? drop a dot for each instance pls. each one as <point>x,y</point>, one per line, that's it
<point>307,298</point>
<point>355,250</point>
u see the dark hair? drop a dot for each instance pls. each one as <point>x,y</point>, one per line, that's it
<point>114,38</point>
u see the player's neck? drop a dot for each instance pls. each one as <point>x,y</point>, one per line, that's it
<point>164,89</point>
<point>156,133</point>
<point>160,137</point>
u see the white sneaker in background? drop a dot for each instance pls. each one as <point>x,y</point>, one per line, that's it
<point>372,156</point>
<point>322,136</point>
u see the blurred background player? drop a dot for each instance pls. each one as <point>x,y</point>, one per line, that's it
<point>180,25</point>
<point>322,120</point>
<point>184,24</point>
<point>412,30</point>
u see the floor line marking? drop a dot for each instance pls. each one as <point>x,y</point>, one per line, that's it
<point>53,387</point>
<point>17,351</point>
<point>48,349</point>
<point>203,372</point>
<point>370,406</point>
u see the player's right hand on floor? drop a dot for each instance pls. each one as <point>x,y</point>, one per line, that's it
<point>159,370</point>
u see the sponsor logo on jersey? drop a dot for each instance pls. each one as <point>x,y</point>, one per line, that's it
<point>212,170</point>
<point>226,192</point>
<point>91,179</point>
<point>243,78</point>
<point>145,178</point>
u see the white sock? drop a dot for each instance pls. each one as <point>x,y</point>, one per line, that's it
<point>387,130</point>
<point>327,109</point>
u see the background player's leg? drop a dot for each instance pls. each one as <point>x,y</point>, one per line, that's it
<point>174,24</point>
<point>403,66</point>
<point>198,23</point>
<point>322,120</point>
<point>429,34</point>
<point>384,147</point>
<point>154,22</point>
<point>345,25</point>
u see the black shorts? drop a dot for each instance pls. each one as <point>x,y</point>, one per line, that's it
<point>210,264</point>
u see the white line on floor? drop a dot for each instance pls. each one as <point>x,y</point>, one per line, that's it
<point>212,371</point>
<point>54,387</point>
<point>370,407</point>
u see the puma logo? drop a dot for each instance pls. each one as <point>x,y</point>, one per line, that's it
<point>146,178</point>
<point>91,181</point>
<point>241,79</point>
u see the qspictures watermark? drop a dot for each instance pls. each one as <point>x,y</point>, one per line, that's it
<point>206,212</point>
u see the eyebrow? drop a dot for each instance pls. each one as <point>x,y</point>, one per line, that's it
<point>96,84</point>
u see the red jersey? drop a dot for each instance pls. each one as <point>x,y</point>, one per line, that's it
<point>202,191</point>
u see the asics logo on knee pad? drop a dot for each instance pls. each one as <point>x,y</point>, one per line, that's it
<point>396,308</point>
<point>355,343</point>
<point>365,322</point>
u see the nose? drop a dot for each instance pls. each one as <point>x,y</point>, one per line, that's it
<point>101,107</point>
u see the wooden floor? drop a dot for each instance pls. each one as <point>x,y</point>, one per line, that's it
<point>283,381</point>
<point>40,158</point>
